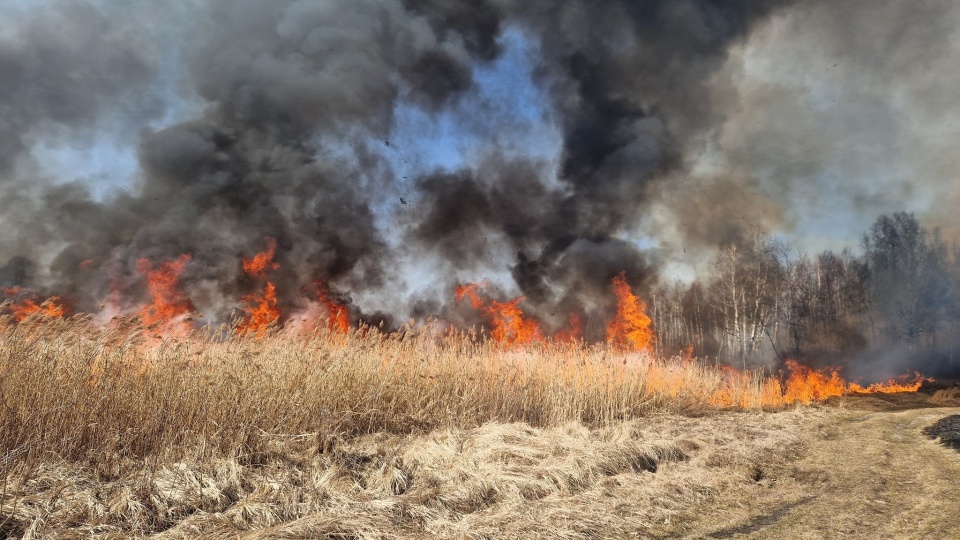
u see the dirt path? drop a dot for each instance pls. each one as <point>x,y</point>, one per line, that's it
<point>863,475</point>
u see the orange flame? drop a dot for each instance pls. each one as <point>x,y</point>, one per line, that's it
<point>803,385</point>
<point>893,386</point>
<point>806,385</point>
<point>572,332</point>
<point>261,262</point>
<point>163,283</point>
<point>23,308</point>
<point>261,308</point>
<point>51,308</point>
<point>630,328</point>
<point>338,316</point>
<point>507,321</point>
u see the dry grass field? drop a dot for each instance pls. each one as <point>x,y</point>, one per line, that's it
<point>122,433</point>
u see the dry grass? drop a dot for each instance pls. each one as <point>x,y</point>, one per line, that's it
<point>116,433</point>
<point>947,397</point>
<point>73,391</point>
<point>862,475</point>
<point>493,481</point>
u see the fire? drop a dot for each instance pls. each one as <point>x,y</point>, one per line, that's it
<point>261,308</point>
<point>258,266</point>
<point>338,316</point>
<point>51,308</point>
<point>507,321</point>
<point>630,328</point>
<point>25,307</point>
<point>806,385</point>
<point>163,284</point>
<point>893,386</point>
<point>803,385</point>
<point>572,332</point>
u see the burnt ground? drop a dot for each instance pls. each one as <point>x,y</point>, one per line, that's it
<point>947,430</point>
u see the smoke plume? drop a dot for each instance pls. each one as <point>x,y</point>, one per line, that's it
<point>274,120</point>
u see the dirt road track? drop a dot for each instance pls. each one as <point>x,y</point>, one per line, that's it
<point>863,475</point>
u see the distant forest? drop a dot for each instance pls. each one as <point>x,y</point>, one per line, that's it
<point>895,308</point>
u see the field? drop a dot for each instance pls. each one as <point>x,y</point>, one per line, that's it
<point>123,432</point>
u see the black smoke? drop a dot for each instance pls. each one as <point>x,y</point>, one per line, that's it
<point>628,81</point>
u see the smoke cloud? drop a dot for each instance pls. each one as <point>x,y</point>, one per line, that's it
<point>675,126</point>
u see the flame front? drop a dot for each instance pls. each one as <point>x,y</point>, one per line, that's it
<point>803,385</point>
<point>508,324</point>
<point>163,283</point>
<point>261,310</point>
<point>27,306</point>
<point>50,308</point>
<point>630,328</point>
<point>806,385</point>
<point>893,386</point>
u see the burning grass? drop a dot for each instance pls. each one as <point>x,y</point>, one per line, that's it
<point>79,391</point>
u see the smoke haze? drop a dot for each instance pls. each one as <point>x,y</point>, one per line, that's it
<point>656,132</point>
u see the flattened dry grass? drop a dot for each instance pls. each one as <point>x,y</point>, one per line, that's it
<point>493,481</point>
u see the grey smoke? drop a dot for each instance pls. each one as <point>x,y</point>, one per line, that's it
<point>846,110</point>
<point>295,101</point>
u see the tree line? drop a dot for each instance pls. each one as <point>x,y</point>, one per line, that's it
<point>894,307</point>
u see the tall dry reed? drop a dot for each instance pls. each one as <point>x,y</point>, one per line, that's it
<point>72,390</point>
